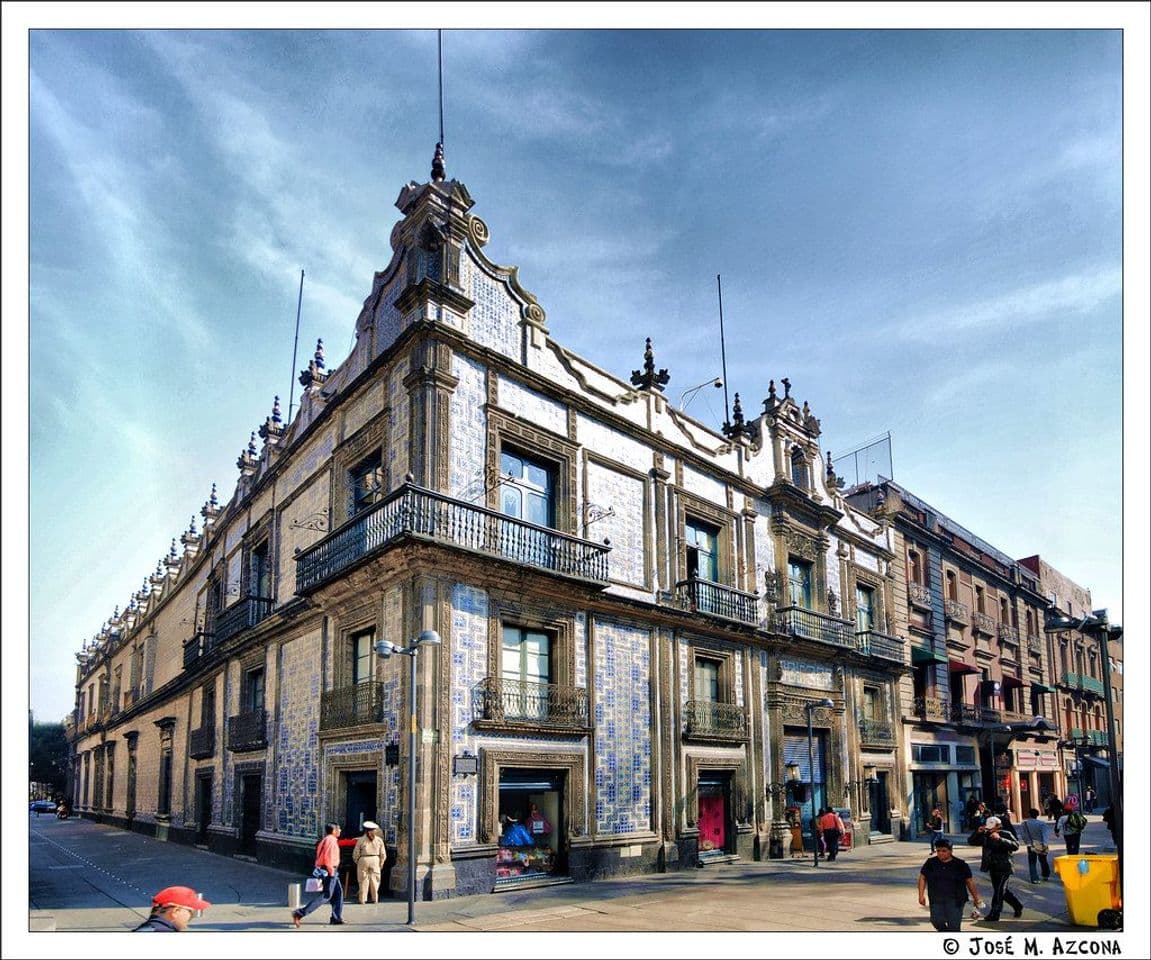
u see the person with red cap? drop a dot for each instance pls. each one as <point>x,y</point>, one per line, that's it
<point>172,908</point>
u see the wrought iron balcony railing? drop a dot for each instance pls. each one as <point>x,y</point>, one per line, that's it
<point>248,731</point>
<point>918,594</point>
<point>800,622</point>
<point>712,720</point>
<point>872,643</point>
<point>202,742</point>
<point>1081,681</point>
<point>878,733</point>
<point>412,511</point>
<point>954,610</point>
<point>1097,738</point>
<point>242,615</point>
<point>351,706</point>
<point>1008,633</point>
<point>199,645</point>
<point>967,714</point>
<point>982,622</point>
<point>499,700</point>
<point>932,708</point>
<point>703,596</point>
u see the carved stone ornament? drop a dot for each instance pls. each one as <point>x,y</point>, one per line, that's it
<point>649,379</point>
<point>832,602</point>
<point>478,231</point>
<point>802,546</point>
<point>771,587</point>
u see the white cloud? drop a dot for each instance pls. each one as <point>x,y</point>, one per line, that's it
<point>1044,302</point>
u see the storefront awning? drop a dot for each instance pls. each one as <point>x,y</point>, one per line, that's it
<point>1010,681</point>
<point>958,666</point>
<point>1098,761</point>
<point>1041,687</point>
<point>924,655</point>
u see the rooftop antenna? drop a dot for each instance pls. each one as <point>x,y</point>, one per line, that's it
<point>295,344</point>
<point>723,354</point>
<point>440,47</point>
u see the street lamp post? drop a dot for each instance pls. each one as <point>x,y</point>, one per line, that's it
<point>386,648</point>
<point>813,705</point>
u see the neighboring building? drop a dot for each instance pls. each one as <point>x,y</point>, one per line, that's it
<point>640,617</point>
<point>977,702</point>
<point>1077,669</point>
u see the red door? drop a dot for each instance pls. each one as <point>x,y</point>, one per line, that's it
<point>712,819</point>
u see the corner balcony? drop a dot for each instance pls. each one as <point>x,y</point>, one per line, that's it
<point>352,706</point>
<point>242,615</point>
<point>710,720</point>
<point>248,731</point>
<point>415,513</point>
<point>1081,681</point>
<point>499,702</point>
<point>872,643</point>
<point>966,714</point>
<point>716,600</point>
<point>956,612</point>
<point>808,625</point>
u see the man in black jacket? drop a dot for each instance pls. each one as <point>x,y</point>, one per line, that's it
<point>999,848</point>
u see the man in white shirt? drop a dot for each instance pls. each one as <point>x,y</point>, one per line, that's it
<point>1033,832</point>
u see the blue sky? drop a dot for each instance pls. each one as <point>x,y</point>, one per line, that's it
<point>922,229</point>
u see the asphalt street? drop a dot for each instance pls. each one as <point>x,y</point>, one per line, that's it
<point>87,877</point>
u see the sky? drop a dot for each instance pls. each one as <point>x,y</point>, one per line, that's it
<point>921,229</point>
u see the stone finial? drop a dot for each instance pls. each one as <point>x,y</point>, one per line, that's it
<point>315,374</point>
<point>786,388</point>
<point>739,426</point>
<point>190,538</point>
<point>246,462</point>
<point>438,170</point>
<point>649,379</point>
<point>806,410</point>
<point>273,427</point>
<point>157,579</point>
<point>211,509</point>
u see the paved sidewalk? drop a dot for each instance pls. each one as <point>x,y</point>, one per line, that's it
<point>88,877</point>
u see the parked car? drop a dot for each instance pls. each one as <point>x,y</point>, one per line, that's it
<point>42,806</point>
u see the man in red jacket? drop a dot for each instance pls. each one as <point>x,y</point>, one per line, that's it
<point>327,861</point>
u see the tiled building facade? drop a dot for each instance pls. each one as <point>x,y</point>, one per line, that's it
<point>641,619</point>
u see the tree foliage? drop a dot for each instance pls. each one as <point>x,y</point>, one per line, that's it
<point>48,755</point>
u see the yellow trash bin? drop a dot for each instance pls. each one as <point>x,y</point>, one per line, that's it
<point>1091,884</point>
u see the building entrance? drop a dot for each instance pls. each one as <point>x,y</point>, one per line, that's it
<point>714,816</point>
<point>360,801</point>
<point>532,845</point>
<point>251,795</point>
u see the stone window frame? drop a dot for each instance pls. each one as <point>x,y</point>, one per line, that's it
<point>166,726</point>
<point>355,622</point>
<point>536,443</point>
<point>369,439</point>
<point>799,459</point>
<point>700,649</point>
<point>861,576</point>
<point>530,616</point>
<point>259,534</point>
<point>335,796</point>
<point>689,505</point>
<point>572,765</point>
<point>248,768</point>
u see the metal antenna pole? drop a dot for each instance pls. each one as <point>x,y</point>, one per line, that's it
<point>440,44</point>
<point>295,344</point>
<point>723,352</point>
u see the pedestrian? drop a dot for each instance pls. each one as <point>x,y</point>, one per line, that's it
<point>172,909</point>
<point>831,827</point>
<point>1089,796</point>
<point>1109,819</point>
<point>971,811</point>
<point>981,814</point>
<point>999,849</point>
<point>1033,833</point>
<point>935,827</point>
<point>1054,807</point>
<point>328,865</point>
<point>947,881</point>
<point>1070,828</point>
<point>1005,824</point>
<point>369,855</point>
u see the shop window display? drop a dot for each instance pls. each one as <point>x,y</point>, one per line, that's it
<point>529,843</point>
